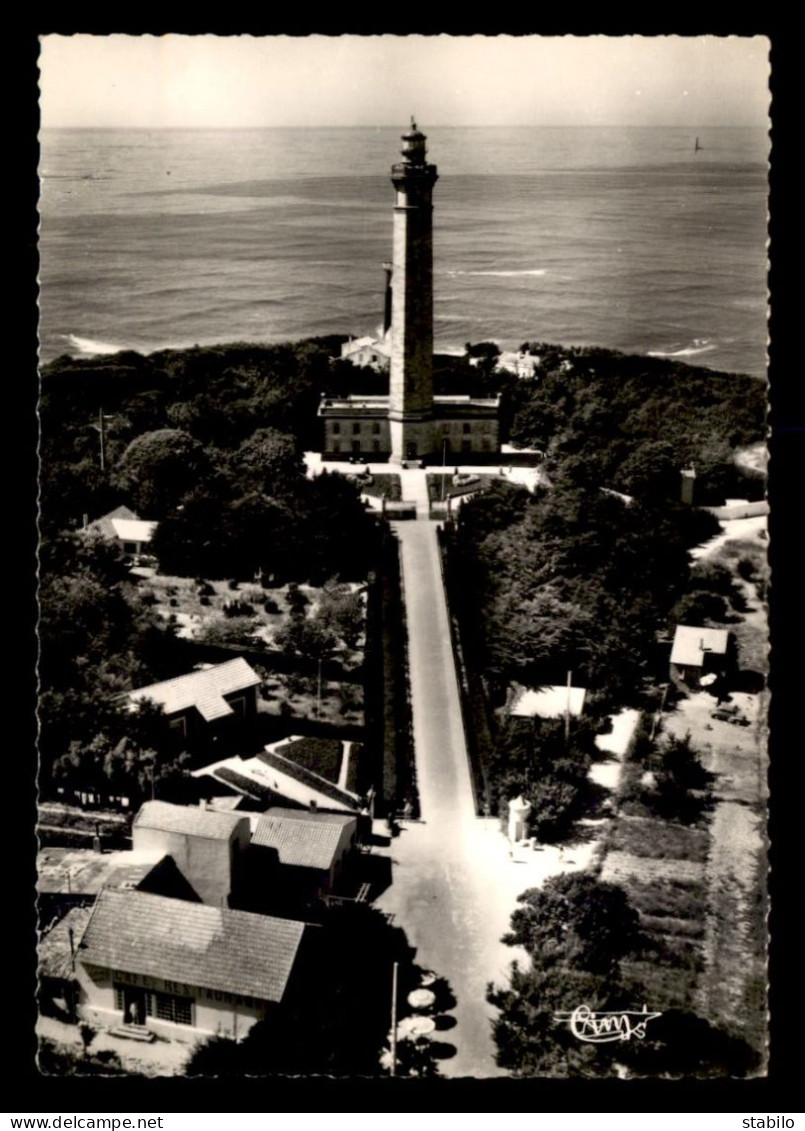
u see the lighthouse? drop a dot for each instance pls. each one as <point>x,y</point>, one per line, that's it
<point>408,423</point>
<point>411,372</point>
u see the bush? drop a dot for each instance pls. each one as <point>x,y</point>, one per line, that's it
<point>233,583</point>
<point>237,609</point>
<point>270,605</point>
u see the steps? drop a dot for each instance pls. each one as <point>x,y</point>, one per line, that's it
<point>133,1033</point>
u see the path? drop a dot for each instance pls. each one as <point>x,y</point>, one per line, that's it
<point>455,884</point>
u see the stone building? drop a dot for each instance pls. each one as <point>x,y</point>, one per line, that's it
<point>410,423</point>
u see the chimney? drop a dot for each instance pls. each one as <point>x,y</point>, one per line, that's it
<point>313,806</point>
<point>84,521</point>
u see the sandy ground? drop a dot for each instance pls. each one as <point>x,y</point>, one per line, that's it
<point>159,1058</point>
<point>731,530</point>
<point>736,864</point>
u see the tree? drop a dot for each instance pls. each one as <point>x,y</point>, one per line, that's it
<point>532,1040</point>
<point>576,920</point>
<point>159,468</point>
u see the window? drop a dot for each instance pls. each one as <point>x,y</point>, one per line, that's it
<point>336,446</point>
<point>166,1007</point>
<point>466,445</point>
<point>356,429</point>
<point>238,705</point>
<point>376,445</point>
<point>486,444</point>
<point>376,427</point>
<point>336,428</point>
<point>467,429</point>
<point>178,727</point>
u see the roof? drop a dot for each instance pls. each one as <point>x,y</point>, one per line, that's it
<point>105,525</point>
<point>204,690</point>
<point>322,756</point>
<point>547,702</point>
<point>308,778</point>
<point>302,839</point>
<point>55,957</point>
<point>210,947</point>
<point>691,644</point>
<point>133,529</point>
<point>189,820</point>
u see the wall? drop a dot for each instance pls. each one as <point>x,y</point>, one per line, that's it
<point>371,431</point>
<point>214,1011</point>
<point>204,862</point>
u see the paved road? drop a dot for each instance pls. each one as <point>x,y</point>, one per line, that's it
<point>455,881</point>
<point>439,895</point>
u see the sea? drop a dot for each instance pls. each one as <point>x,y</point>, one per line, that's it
<point>623,237</point>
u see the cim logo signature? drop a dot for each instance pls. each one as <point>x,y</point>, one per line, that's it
<point>599,1028</point>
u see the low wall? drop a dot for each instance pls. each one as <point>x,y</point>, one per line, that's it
<point>740,510</point>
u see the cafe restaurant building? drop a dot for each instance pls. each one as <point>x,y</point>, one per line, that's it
<point>182,970</point>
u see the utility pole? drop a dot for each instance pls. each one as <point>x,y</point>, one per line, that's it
<point>394,1020</point>
<point>444,463</point>
<point>567,709</point>
<point>658,716</point>
<point>101,428</point>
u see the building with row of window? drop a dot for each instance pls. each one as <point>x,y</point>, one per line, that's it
<point>410,423</point>
<point>182,938</point>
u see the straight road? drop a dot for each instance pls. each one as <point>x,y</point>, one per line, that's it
<point>439,894</point>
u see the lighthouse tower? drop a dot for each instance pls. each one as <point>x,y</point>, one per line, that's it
<point>411,374</point>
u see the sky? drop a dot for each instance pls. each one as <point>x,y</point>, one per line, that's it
<point>244,81</point>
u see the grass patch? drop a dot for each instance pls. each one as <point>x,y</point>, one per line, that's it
<point>383,485</point>
<point>668,899</point>
<point>659,840</point>
<point>663,985</point>
<point>452,488</point>
<point>321,755</point>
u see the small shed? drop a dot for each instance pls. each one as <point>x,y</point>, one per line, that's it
<point>551,702</point>
<point>696,652</point>
<point>122,525</point>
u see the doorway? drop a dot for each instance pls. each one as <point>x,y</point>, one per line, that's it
<point>133,1006</point>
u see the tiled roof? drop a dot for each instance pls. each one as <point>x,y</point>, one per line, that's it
<point>204,690</point>
<point>191,820</point>
<point>210,947</point>
<point>55,958</point>
<point>340,819</point>
<point>548,702</point>
<point>691,643</point>
<point>302,839</point>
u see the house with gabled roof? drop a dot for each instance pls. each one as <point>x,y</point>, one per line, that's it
<point>123,526</point>
<point>698,652</point>
<point>197,701</point>
<point>180,969</point>
<point>311,848</point>
<point>207,846</point>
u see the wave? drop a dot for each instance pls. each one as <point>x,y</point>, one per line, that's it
<point>700,345</point>
<point>502,274</point>
<point>90,348</point>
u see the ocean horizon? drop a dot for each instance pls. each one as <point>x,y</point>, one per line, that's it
<point>621,237</point>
